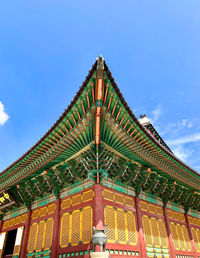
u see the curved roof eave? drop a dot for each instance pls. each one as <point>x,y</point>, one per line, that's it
<point>114,84</point>
<point>59,120</point>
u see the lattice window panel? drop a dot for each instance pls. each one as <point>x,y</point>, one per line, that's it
<point>76,227</point>
<point>143,206</point>
<point>119,198</point>
<point>108,195</point>
<point>131,228</point>
<point>170,214</point>
<point>129,201</point>
<point>24,218</point>
<point>194,235</point>
<point>198,236</point>
<point>174,236</point>
<point>33,237</point>
<point>12,222</point>
<point>51,208</point>
<point>163,234</point>
<point>151,208</point>
<point>48,233</point>
<point>88,196</point>
<point>197,221</point>
<point>190,220</point>
<point>186,237</point>
<point>40,236</point>
<point>76,199</point>
<point>121,226</point>
<point>6,224</point>
<point>159,210</point>
<point>35,214</point>
<point>155,232</point>
<point>18,220</point>
<point>43,211</point>
<point>182,217</point>
<point>181,237</point>
<point>110,222</point>
<point>65,230</point>
<point>87,225</point>
<point>66,203</point>
<point>147,230</point>
<point>176,216</point>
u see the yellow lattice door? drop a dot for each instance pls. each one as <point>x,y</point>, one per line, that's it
<point>121,226</point>
<point>87,225</point>
<point>198,237</point>
<point>110,222</point>
<point>195,237</point>
<point>33,237</point>
<point>76,222</point>
<point>65,230</point>
<point>186,237</point>
<point>48,234</point>
<point>40,236</point>
<point>131,228</point>
<point>147,230</point>
<point>174,236</point>
<point>163,234</point>
<point>181,237</point>
<point>155,232</point>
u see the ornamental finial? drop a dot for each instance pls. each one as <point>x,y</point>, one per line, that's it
<point>100,62</point>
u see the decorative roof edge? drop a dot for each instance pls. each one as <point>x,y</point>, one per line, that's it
<point>114,84</point>
<point>67,110</point>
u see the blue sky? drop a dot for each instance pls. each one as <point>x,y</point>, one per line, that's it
<point>151,47</point>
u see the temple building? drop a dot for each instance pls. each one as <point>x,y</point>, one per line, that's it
<point>99,166</point>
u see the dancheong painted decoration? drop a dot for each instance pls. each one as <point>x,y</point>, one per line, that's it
<point>100,183</point>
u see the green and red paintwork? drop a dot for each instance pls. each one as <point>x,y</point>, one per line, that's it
<point>120,151</point>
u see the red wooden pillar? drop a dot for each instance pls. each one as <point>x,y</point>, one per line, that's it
<point>190,236</point>
<point>143,251</point>
<point>55,240</point>
<point>98,211</point>
<point>26,235</point>
<point>169,236</point>
<point>98,214</point>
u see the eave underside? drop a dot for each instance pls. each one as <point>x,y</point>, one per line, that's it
<point>119,129</point>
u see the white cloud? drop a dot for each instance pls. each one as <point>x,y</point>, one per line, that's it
<point>3,115</point>
<point>156,113</point>
<point>182,153</point>
<point>182,135</point>
<point>185,139</point>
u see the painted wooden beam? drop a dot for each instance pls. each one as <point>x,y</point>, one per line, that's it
<point>99,96</point>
